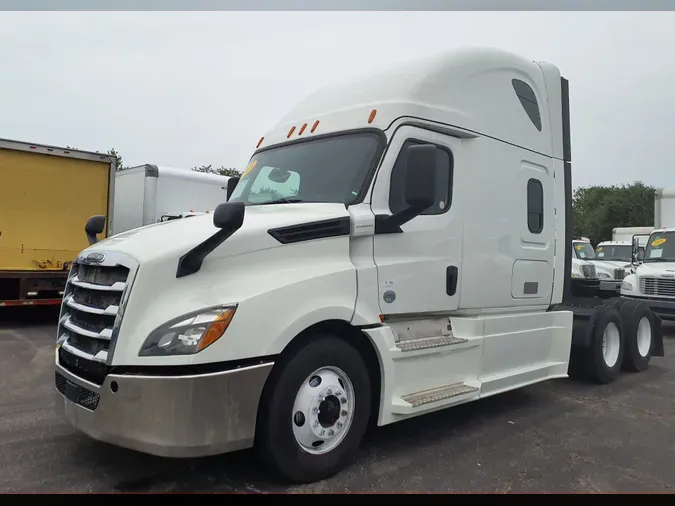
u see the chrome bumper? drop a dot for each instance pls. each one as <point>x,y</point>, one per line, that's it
<point>169,416</point>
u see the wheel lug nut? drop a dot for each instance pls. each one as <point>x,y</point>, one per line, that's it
<point>339,392</point>
<point>316,423</point>
<point>343,400</point>
<point>344,413</point>
<point>331,432</point>
<point>315,410</point>
<point>340,425</point>
<point>323,432</point>
<point>329,391</point>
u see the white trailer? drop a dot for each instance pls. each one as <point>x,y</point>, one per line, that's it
<point>147,194</point>
<point>664,208</point>
<point>397,245</point>
<point>625,234</point>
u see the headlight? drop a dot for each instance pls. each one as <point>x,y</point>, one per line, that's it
<point>190,333</point>
<point>627,286</point>
<point>603,275</point>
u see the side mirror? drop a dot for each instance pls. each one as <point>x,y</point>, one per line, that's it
<point>635,251</point>
<point>420,178</point>
<point>420,187</point>
<point>229,215</point>
<point>231,185</point>
<point>93,227</point>
<point>228,218</point>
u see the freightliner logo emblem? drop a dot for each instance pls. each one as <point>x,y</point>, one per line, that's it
<point>95,258</point>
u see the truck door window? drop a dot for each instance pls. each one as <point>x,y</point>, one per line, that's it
<point>444,179</point>
<point>535,206</point>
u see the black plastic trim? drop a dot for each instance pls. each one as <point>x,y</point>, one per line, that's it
<point>323,229</point>
<point>377,159</point>
<point>567,174</point>
<point>539,210</point>
<point>451,277</point>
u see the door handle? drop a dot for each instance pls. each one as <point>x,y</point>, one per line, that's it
<point>451,275</point>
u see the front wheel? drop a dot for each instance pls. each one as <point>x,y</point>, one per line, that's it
<point>315,410</point>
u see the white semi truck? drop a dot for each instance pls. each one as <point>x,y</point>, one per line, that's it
<point>148,194</point>
<point>397,245</point>
<point>653,279</point>
<point>611,262</point>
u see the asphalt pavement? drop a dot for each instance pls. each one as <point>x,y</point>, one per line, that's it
<point>558,436</point>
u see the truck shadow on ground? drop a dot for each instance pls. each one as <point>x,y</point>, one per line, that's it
<point>242,471</point>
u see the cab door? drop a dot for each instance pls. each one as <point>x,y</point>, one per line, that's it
<point>419,269</point>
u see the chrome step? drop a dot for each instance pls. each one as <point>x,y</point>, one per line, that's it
<point>438,394</point>
<point>425,344</point>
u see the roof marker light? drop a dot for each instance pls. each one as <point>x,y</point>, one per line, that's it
<point>316,124</point>
<point>290,132</point>
<point>302,129</point>
<point>372,116</point>
<point>259,142</point>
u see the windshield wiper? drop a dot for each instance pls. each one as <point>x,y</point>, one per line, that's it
<point>280,201</point>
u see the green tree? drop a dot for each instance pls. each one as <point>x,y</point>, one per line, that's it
<point>596,210</point>
<point>222,171</point>
<point>118,159</point>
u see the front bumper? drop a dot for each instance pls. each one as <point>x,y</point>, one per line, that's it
<point>664,309</point>
<point>169,416</point>
<point>610,285</point>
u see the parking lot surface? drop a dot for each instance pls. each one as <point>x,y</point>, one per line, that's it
<point>559,436</point>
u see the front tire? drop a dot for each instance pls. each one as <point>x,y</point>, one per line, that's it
<point>315,410</point>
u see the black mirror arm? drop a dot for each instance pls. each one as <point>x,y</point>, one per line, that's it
<point>391,223</point>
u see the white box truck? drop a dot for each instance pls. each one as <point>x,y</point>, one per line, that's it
<point>397,245</point>
<point>149,194</point>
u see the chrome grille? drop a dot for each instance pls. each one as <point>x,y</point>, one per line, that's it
<point>619,274</point>
<point>91,311</point>
<point>657,287</point>
<point>588,271</point>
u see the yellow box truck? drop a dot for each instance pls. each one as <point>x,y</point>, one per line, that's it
<point>47,194</point>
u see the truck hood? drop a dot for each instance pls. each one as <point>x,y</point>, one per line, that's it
<point>657,269</point>
<point>174,238</point>
<point>610,264</point>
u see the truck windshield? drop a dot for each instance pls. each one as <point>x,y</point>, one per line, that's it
<point>584,251</point>
<point>660,248</point>
<point>333,169</point>
<point>615,252</point>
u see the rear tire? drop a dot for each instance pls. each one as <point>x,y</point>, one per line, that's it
<point>640,329</point>
<point>315,410</point>
<point>603,358</point>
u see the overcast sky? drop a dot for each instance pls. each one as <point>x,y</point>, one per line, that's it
<point>185,89</point>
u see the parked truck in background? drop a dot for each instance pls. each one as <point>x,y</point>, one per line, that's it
<point>45,193</point>
<point>628,234</point>
<point>149,194</point>
<point>344,283</point>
